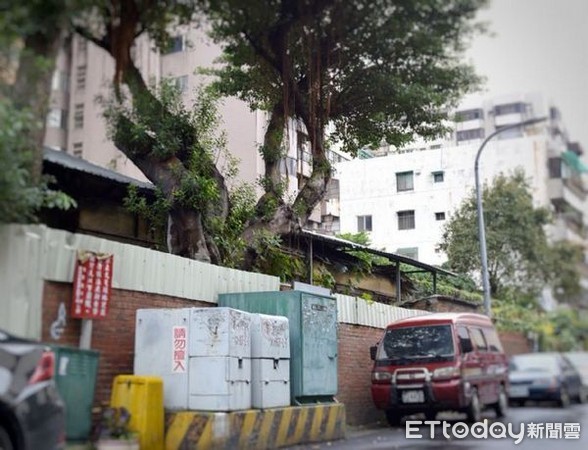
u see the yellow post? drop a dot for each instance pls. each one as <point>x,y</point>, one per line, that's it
<point>143,397</point>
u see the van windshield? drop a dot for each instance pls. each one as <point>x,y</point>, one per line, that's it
<point>433,343</point>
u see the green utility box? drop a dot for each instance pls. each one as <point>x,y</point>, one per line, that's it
<point>76,371</point>
<point>313,338</point>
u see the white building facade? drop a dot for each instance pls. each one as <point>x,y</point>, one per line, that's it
<point>404,199</point>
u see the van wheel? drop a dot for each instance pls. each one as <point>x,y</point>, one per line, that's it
<point>501,406</point>
<point>474,409</point>
<point>393,418</point>
<point>5,441</point>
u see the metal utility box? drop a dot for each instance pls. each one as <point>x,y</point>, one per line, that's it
<point>313,338</point>
<point>270,361</point>
<point>202,355</point>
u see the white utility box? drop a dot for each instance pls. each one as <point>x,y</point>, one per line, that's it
<point>202,355</point>
<point>270,363</point>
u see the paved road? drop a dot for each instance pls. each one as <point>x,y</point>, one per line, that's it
<point>383,437</point>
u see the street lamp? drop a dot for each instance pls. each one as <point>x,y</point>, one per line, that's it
<point>481,230</point>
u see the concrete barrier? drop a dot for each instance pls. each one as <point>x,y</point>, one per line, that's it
<point>255,429</point>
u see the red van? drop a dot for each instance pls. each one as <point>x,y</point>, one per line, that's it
<point>440,362</point>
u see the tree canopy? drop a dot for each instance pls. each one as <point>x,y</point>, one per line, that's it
<point>351,72</point>
<point>519,253</point>
<point>354,73</point>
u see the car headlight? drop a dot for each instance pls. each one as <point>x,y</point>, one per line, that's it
<point>445,373</point>
<point>381,376</point>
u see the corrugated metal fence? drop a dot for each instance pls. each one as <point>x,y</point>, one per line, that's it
<point>358,311</point>
<point>31,254</point>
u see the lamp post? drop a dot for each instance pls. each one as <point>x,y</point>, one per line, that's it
<point>481,228</point>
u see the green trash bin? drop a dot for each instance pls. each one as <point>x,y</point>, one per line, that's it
<point>76,371</point>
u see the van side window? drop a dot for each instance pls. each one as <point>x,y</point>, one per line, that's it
<point>494,344</point>
<point>465,342</point>
<point>478,339</point>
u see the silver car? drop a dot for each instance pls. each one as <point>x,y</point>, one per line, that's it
<point>32,414</point>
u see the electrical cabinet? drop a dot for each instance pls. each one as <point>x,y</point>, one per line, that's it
<point>270,361</point>
<point>313,338</point>
<point>202,355</point>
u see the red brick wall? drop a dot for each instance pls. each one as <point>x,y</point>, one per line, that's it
<point>113,337</point>
<point>514,342</point>
<point>354,374</point>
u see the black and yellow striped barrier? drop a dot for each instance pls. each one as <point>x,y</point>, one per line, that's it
<point>255,429</point>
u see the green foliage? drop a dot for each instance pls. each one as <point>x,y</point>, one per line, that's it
<point>367,260</point>
<point>272,259</point>
<point>321,276</point>
<point>460,287</point>
<point>196,187</point>
<point>227,234</point>
<point>567,331</point>
<point>374,69</point>
<point>20,196</point>
<point>362,238</point>
<point>516,310</point>
<point>519,255</point>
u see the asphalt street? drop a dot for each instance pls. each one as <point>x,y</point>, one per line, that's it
<point>554,424</point>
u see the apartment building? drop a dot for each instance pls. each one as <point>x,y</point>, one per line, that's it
<point>404,198</point>
<point>84,73</point>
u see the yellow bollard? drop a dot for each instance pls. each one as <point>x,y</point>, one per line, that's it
<point>143,397</point>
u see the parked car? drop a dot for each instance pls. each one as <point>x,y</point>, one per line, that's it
<point>580,362</point>
<point>544,377</point>
<point>32,415</point>
<point>440,362</point>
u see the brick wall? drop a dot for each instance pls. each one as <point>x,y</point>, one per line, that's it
<point>354,374</point>
<point>514,342</point>
<point>113,337</point>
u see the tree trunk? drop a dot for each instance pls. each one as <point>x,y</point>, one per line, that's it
<point>186,234</point>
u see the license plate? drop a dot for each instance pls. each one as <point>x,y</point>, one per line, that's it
<point>518,391</point>
<point>413,396</point>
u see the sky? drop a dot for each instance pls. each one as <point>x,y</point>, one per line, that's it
<point>538,46</point>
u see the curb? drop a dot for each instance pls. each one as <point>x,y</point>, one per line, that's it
<point>255,429</point>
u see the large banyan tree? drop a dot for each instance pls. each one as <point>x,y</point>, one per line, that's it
<point>365,71</point>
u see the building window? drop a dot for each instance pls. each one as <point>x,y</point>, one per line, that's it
<point>554,167</point>
<point>409,252</point>
<point>288,166</point>
<point>56,118</point>
<point>81,77</point>
<point>303,144</point>
<point>469,114</point>
<point>510,108</point>
<point>176,44</point>
<point>404,181</point>
<point>77,149</point>
<point>181,83</point>
<point>406,220</point>
<point>438,177</point>
<point>82,45</point>
<point>364,223</point>
<point>59,81</point>
<point>439,216</point>
<point>79,116</point>
<point>468,135</point>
